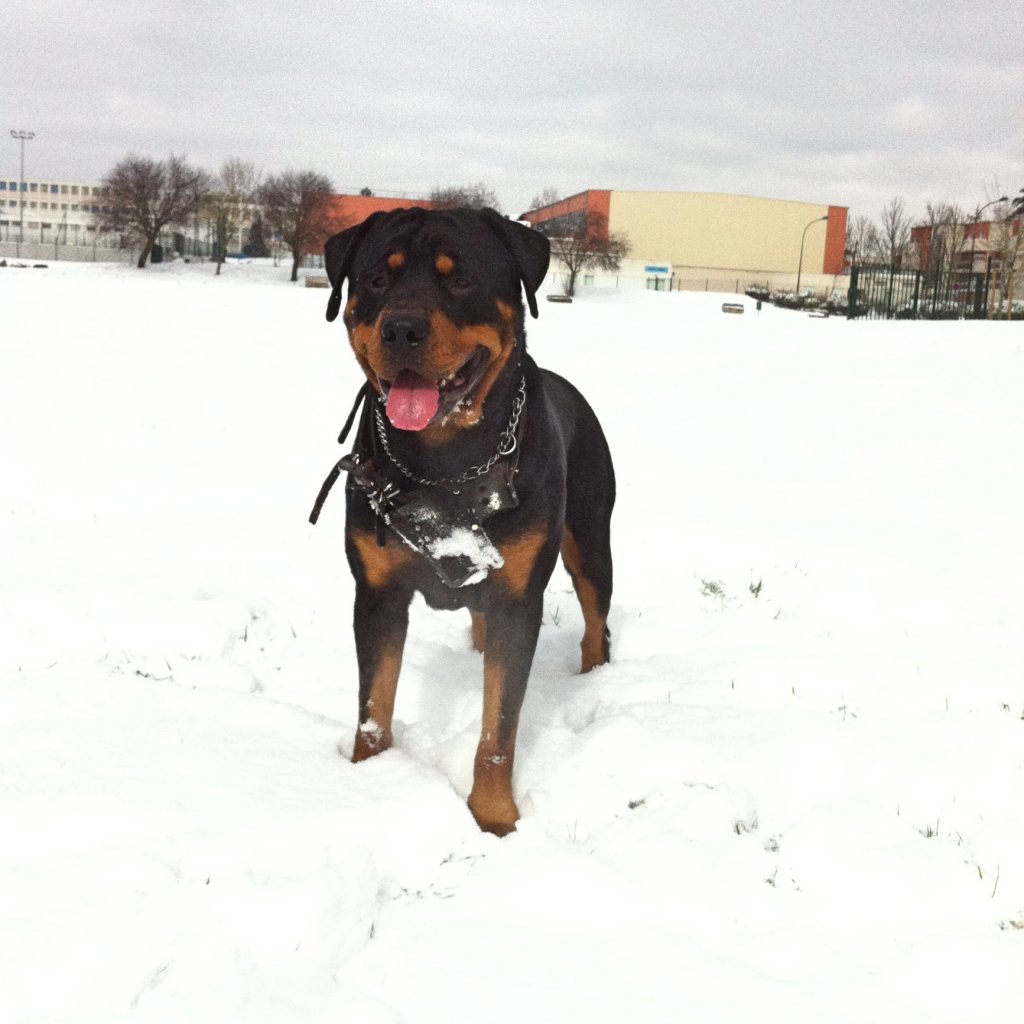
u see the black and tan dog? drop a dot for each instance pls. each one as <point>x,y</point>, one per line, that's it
<point>472,467</point>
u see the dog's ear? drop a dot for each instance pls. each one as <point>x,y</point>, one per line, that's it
<point>339,252</point>
<point>530,249</point>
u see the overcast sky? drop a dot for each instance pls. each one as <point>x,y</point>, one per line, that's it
<point>843,103</point>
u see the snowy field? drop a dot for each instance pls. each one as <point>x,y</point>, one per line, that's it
<point>796,793</point>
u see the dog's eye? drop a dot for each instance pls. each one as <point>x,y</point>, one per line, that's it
<point>378,282</point>
<point>461,284</point>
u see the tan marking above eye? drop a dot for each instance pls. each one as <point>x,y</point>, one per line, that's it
<point>444,264</point>
<point>396,260</point>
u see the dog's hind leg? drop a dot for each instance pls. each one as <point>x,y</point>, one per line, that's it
<point>590,568</point>
<point>586,539</point>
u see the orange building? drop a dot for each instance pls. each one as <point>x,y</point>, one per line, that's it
<point>976,242</point>
<point>347,211</point>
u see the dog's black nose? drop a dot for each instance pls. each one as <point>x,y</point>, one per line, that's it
<point>404,330</point>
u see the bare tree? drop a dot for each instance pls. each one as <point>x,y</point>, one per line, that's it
<point>930,253</point>
<point>231,201</point>
<point>955,230</point>
<point>893,244</point>
<point>587,244</point>
<point>145,196</point>
<point>1006,247</point>
<point>862,240</point>
<point>946,230</point>
<point>478,196</point>
<point>548,197</point>
<point>297,205</point>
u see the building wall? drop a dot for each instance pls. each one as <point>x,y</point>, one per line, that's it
<point>705,236</point>
<point>733,233</point>
<point>572,211</point>
<point>70,207</point>
<point>835,241</point>
<point>351,210</point>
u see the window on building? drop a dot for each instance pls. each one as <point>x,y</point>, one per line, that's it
<point>3,186</point>
<point>33,186</point>
<point>53,190</point>
<point>63,190</point>
<point>74,190</point>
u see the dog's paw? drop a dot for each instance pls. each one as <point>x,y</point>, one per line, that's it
<point>371,739</point>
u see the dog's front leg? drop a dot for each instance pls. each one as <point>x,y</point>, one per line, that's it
<point>511,638</point>
<point>381,622</point>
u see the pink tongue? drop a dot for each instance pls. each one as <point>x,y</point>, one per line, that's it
<point>412,401</point>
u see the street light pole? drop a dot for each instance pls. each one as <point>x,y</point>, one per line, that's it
<point>23,137</point>
<point>974,238</point>
<point>977,219</point>
<point>800,265</point>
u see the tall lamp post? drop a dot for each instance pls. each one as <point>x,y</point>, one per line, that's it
<point>974,239</point>
<point>977,220</point>
<point>800,265</point>
<point>23,137</point>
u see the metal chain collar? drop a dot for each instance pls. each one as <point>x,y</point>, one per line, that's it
<point>506,446</point>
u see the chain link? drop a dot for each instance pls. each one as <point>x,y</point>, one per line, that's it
<point>506,446</point>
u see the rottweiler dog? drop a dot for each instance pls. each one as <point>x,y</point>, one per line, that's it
<point>472,467</point>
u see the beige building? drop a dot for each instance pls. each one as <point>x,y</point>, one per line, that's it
<point>64,211</point>
<point>706,240</point>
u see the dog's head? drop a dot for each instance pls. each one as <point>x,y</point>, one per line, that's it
<point>434,310</point>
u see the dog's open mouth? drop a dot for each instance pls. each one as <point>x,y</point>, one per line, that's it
<point>414,401</point>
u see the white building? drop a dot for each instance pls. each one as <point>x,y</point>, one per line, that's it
<point>54,211</point>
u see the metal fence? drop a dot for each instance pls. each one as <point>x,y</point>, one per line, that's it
<point>58,248</point>
<point>892,293</point>
<point>35,251</point>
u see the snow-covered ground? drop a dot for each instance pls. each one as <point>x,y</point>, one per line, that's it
<point>796,794</point>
